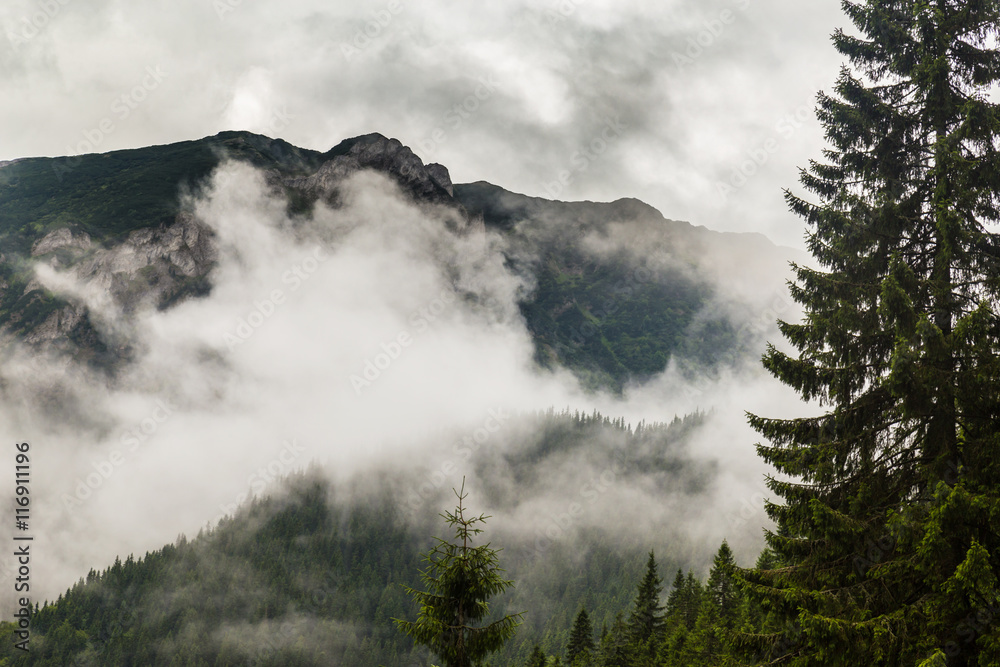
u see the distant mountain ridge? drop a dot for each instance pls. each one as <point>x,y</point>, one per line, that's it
<point>611,317</point>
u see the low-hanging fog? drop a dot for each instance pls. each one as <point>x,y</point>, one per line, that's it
<point>377,335</point>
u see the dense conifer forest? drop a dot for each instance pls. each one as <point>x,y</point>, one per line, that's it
<point>883,545</point>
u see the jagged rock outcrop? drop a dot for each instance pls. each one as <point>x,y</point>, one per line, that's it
<point>155,266</point>
<point>59,325</point>
<point>151,265</point>
<point>439,174</point>
<point>374,151</point>
<point>60,238</point>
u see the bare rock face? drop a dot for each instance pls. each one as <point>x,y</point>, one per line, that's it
<point>324,182</point>
<point>151,262</point>
<point>426,182</point>
<point>151,267</point>
<point>60,238</point>
<point>439,174</point>
<point>58,325</point>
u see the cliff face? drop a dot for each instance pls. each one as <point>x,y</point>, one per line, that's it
<point>60,238</point>
<point>152,266</point>
<point>430,183</point>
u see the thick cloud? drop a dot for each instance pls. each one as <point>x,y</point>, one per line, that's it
<point>570,99</point>
<point>576,99</point>
<point>377,332</point>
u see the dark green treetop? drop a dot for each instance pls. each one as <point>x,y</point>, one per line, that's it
<point>461,579</point>
<point>537,657</point>
<point>647,618</point>
<point>888,500</point>
<point>581,637</point>
<point>721,589</point>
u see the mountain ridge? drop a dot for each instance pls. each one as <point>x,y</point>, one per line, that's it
<point>104,201</point>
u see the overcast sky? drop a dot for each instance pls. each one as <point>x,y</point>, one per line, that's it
<point>570,99</point>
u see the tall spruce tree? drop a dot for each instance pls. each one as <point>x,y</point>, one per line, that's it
<point>615,649</point>
<point>720,612</point>
<point>647,619</point>
<point>691,599</point>
<point>537,657</point>
<point>721,590</point>
<point>462,579</point>
<point>672,650</point>
<point>581,639</point>
<point>675,598</point>
<point>687,607</point>
<point>890,499</point>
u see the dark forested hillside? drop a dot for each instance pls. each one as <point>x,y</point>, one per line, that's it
<point>109,194</point>
<point>311,575</point>
<point>618,314</point>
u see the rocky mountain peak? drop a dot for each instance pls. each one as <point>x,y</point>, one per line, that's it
<point>60,238</point>
<point>439,174</point>
<point>376,151</point>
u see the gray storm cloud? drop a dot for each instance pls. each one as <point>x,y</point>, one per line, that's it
<point>711,93</point>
